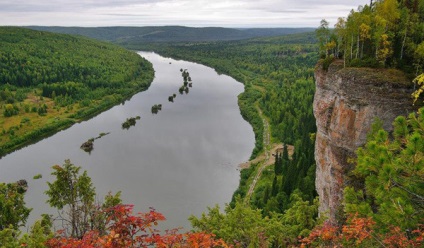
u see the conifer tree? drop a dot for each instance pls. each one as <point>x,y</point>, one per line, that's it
<point>266,195</point>
<point>392,170</point>
<point>274,189</point>
<point>278,165</point>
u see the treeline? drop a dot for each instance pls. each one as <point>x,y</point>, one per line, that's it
<point>136,35</point>
<point>47,78</point>
<point>29,58</point>
<point>278,76</point>
<point>384,33</point>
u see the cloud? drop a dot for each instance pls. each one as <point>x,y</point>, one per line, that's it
<point>234,13</point>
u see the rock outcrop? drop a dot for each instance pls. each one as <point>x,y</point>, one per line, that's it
<point>346,103</point>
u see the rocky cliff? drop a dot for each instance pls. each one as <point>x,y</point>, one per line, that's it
<point>346,103</point>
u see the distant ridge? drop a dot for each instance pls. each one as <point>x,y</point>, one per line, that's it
<point>128,35</point>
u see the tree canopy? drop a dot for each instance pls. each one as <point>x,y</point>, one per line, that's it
<point>392,172</point>
<point>388,33</point>
<point>49,81</point>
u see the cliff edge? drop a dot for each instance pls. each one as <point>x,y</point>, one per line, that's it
<point>346,103</point>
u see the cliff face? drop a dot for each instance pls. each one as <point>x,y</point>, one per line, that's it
<point>346,103</point>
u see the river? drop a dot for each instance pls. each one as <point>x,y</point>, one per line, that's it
<point>179,161</point>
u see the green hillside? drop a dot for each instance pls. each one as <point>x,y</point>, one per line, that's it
<point>137,35</point>
<point>49,81</point>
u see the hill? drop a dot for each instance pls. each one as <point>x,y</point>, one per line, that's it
<point>49,81</point>
<point>131,35</point>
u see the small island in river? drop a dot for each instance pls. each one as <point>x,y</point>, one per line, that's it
<point>130,122</point>
<point>88,146</point>
<point>156,108</point>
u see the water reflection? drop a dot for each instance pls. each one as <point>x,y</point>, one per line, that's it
<point>179,161</point>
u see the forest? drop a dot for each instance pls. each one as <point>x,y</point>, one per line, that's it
<point>384,208</point>
<point>386,33</point>
<point>278,74</point>
<point>50,81</point>
<point>126,36</point>
<point>278,77</point>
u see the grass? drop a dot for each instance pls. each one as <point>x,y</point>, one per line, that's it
<point>29,123</point>
<point>35,120</point>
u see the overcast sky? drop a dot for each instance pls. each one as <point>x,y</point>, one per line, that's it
<point>195,13</point>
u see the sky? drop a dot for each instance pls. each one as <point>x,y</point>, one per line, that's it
<point>193,13</point>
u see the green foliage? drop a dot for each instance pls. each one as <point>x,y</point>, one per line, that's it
<point>241,191</point>
<point>37,67</point>
<point>39,233</point>
<point>71,89</point>
<point>34,135</point>
<point>38,176</point>
<point>326,62</point>
<point>279,163</point>
<point>13,212</point>
<point>323,35</point>
<point>8,238</point>
<point>37,236</point>
<point>10,110</point>
<point>241,225</point>
<point>30,58</point>
<point>74,192</point>
<point>301,216</point>
<point>278,76</point>
<point>246,102</point>
<point>392,170</point>
<point>247,227</point>
<point>388,33</point>
<point>42,110</point>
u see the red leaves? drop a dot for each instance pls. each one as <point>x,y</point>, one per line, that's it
<point>127,230</point>
<point>361,232</point>
<point>358,229</point>
<point>90,240</point>
<point>204,240</point>
<point>397,238</point>
<point>355,231</point>
<point>326,234</point>
<point>192,240</point>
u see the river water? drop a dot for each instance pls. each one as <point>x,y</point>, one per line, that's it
<point>179,161</point>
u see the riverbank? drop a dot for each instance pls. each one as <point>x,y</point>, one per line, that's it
<point>247,100</point>
<point>27,128</point>
<point>278,77</point>
<point>51,81</point>
<point>169,161</point>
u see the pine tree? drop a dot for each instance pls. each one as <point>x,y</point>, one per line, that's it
<point>266,196</point>
<point>278,165</point>
<point>274,189</point>
<point>391,169</point>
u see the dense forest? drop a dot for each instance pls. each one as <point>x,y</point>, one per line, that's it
<point>386,33</point>
<point>50,81</point>
<point>127,36</point>
<point>384,208</point>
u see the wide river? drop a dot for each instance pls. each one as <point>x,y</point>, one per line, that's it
<point>179,161</point>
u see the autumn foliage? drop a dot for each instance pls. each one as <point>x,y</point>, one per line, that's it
<point>124,229</point>
<point>361,232</point>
